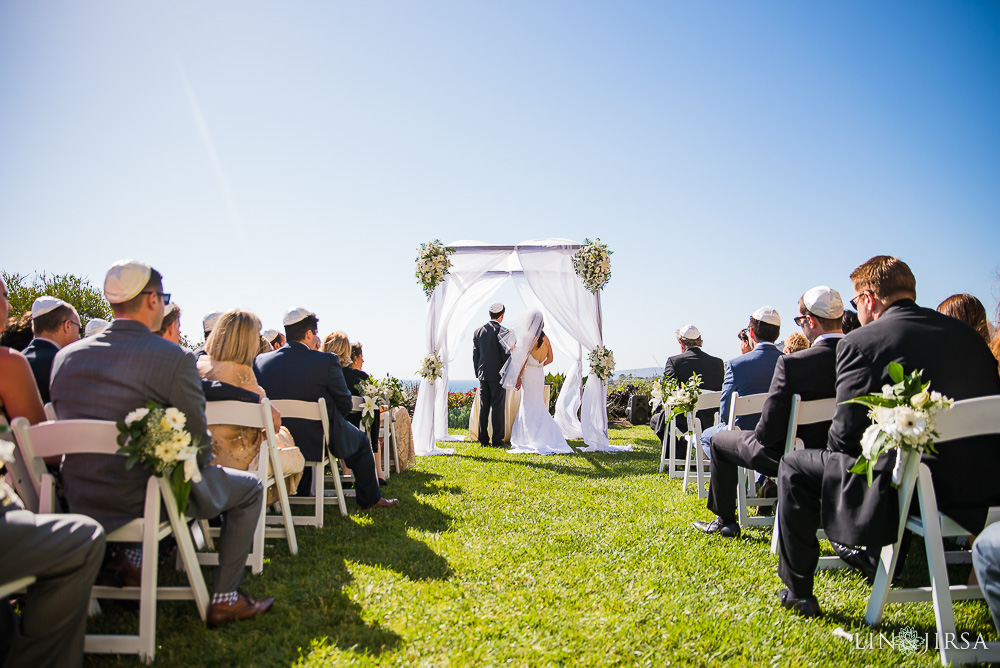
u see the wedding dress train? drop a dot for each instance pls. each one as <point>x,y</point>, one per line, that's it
<point>535,431</point>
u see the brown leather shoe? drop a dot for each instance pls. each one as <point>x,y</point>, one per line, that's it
<point>385,503</point>
<point>119,572</point>
<point>244,608</point>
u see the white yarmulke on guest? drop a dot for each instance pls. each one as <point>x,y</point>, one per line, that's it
<point>823,301</point>
<point>125,279</point>
<point>44,305</point>
<point>689,332</point>
<point>497,307</point>
<point>295,315</point>
<point>168,309</point>
<point>271,335</point>
<point>95,326</point>
<point>209,322</point>
<point>768,315</point>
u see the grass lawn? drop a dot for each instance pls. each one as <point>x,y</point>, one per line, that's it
<point>493,559</point>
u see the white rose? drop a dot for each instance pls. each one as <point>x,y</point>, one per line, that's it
<point>885,417</point>
<point>191,470</point>
<point>920,400</point>
<point>887,392</point>
<point>136,415</point>
<point>6,451</point>
<point>868,440</point>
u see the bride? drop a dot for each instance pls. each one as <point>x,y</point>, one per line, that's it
<point>534,430</point>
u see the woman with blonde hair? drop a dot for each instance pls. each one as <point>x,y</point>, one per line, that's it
<point>229,355</point>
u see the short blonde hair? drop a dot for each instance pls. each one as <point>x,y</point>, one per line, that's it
<point>338,344</point>
<point>236,338</point>
<point>796,342</point>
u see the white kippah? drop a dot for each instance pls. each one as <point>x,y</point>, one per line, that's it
<point>271,335</point>
<point>497,307</point>
<point>44,305</point>
<point>768,315</point>
<point>95,326</point>
<point>689,332</point>
<point>209,322</point>
<point>823,301</point>
<point>125,279</point>
<point>295,315</point>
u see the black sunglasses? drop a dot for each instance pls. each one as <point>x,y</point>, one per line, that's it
<point>800,320</point>
<point>854,302</point>
<point>165,295</point>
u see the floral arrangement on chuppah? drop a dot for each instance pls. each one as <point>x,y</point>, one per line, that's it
<point>602,363</point>
<point>433,263</point>
<point>902,418</point>
<point>592,264</point>
<point>432,367</point>
<point>155,437</point>
<point>677,398</point>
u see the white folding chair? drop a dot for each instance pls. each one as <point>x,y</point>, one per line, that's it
<point>50,411</point>
<point>389,452</point>
<point>52,439</point>
<point>971,417</point>
<point>256,416</point>
<point>739,407</point>
<point>805,412</point>
<point>707,401</point>
<point>12,587</point>
<point>670,459</point>
<point>315,410</point>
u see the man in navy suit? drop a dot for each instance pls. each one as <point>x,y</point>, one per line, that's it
<point>809,373</point>
<point>298,370</point>
<point>488,357</point>
<point>750,373</point>
<point>55,325</point>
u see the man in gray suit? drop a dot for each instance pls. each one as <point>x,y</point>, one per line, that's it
<point>106,376</point>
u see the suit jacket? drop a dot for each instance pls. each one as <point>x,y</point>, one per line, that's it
<point>40,354</point>
<point>748,374</point>
<point>682,367</point>
<point>293,371</point>
<point>104,377</point>
<point>488,354</point>
<point>958,363</point>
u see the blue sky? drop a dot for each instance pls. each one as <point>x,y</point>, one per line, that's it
<point>732,154</point>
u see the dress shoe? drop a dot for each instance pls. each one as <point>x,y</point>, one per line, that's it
<point>244,608</point>
<point>767,490</point>
<point>856,559</point>
<point>119,572</point>
<point>719,527</point>
<point>807,606</point>
<point>385,503</point>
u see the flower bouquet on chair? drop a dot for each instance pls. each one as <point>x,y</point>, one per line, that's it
<point>155,437</point>
<point>902,418</point>
<point>677,398</point>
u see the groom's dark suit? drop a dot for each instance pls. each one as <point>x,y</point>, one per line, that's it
<point>488,358</point>
<point>815,486</point>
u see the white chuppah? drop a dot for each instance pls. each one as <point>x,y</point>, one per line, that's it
<point>543,273</point>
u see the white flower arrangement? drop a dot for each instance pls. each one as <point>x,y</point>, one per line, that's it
<point>155,437</point>
<point>602,363</point>
<point>433,263</point>
<point>6,455</point>
<point>677,397</point>
<point>903,418</point>
<point>592,264</point>
<point>371,394</point>
<point>432,367</point>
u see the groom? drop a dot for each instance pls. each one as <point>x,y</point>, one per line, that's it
<point>488,358</point>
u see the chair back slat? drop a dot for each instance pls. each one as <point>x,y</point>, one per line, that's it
<point>67,437</point>
<point>969,417</point>
<point>357,403</point>
<point>748,405</point>
<point>708,400</point>
<point>238,413</point>
<point>817,410</point>
<point>305,410</point>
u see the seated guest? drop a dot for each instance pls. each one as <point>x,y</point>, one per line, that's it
<point>969,310</point>
<point>207,325</point>
<point>18,392</point>
<point>55,324</point>
<point>850,321</point>
<point>814,486</point>
<point>795,343</point>
<point>229,354</point>
<point>105,377</point>
<point>17,333</point>
<point>95,326</point>
<point>749,373</point>
<point>744,337</point>
<point>338,344</point>
<point>986,561</point>
<point>298,370</point>
<point>809,373</point>
<point>275,339</point>
<point>403,434</point>
<point>692,360</point>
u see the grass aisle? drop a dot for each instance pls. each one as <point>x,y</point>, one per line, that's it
<point>495,559</point>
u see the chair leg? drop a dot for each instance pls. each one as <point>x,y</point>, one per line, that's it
<point>286,513</point>
<point>395,450</point>
<point>944,614</point>
<point>883,581</point>
<point>687,465</point>
<point>665,459</point>
<point>319,483</point>
<point>147,589</point>
<point>700,469</point>
<point>741,496</point>
<point>256,557</point>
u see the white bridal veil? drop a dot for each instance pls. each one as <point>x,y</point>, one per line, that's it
<point>521,341</point>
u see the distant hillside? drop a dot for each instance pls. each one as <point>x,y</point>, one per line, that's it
<point>647,372</point>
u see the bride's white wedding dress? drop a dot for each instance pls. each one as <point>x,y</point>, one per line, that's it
<point>535,431</point>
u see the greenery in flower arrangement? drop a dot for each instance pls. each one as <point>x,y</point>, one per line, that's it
<point>433,264</point>
<point>592,264</point>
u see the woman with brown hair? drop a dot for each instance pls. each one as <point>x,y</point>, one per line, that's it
<point>229,354</point>
<point>968,309</point>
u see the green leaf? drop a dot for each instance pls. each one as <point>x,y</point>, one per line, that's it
<point>896,372</point>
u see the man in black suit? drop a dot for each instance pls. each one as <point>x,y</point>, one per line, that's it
<point>810,373</point>
<point>55,324</point>
<point>298,370</point>
<point>488,357</point>
<point>692,360</point>
<point>815,487</point>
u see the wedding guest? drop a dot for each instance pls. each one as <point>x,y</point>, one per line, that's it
<point>744,337</point>
<point>17,334</point>
<point>815,486</point>
<point>794,343</point>
<point>299,371</point>
<point>969,310</point>
<point>357,355</point>
<point>749,373</point>
<point>274,338</point>
<point>850,321</point>
<point>229,354</point>
<point>986,561</point>
<point>55,324</point>
<point>207,325</point>
<point>692,360</point>
<point>338,344</point>
<point>104,377</point>
<point>402,431</point>
<point>809,373</point>
<point>95,326</point>
<point>18,392</point>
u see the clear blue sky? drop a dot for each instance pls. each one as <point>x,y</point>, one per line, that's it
<point>732,154</point>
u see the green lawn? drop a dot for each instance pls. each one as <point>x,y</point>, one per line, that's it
<point>493,559</point>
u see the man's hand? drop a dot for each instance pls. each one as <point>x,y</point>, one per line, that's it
<point>276,418</point>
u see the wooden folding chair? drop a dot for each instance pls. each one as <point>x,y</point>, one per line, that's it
<point>315,410</point>
<point>707,401</point>
<point>968,418</point>
<point>256,416</point>
<point>66,437</point>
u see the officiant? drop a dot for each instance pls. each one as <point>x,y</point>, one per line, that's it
<point>488,357</point>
